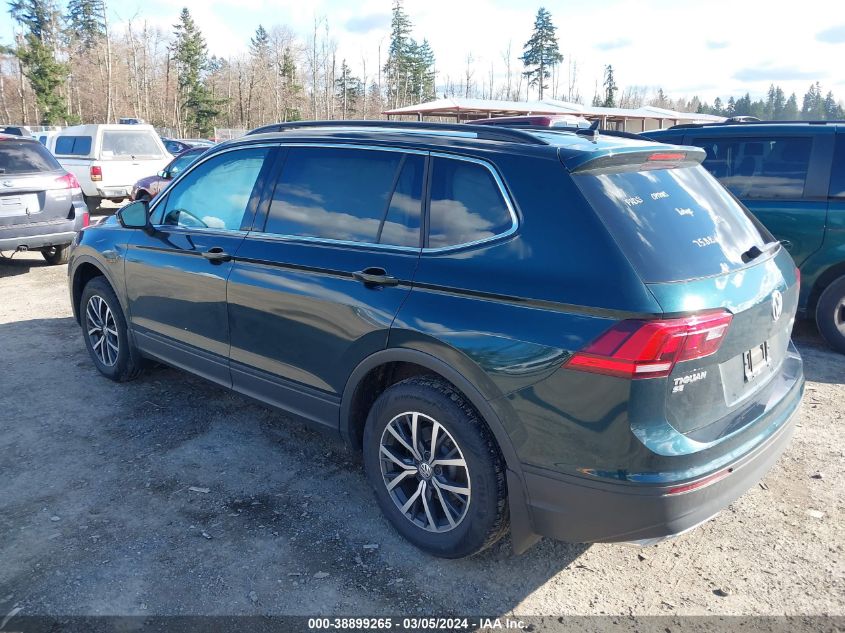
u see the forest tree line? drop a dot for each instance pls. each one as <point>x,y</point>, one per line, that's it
<point>70,65</point>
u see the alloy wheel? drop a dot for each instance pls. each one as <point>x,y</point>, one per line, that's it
<point>425,472</point>
<point>102,330</point>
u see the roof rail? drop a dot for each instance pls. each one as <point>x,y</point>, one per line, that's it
<point>681,126</point>
<point>484,132</point>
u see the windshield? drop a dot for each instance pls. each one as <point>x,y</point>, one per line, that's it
<point>674,224</point>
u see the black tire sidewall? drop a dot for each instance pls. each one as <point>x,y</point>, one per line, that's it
<point>482,524</point>
<point>59,257</point>
<point>825,315</point>
<point>126,362</point>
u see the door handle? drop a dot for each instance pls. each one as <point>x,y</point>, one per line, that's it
<point>375,277</point>
<point>216,254</point>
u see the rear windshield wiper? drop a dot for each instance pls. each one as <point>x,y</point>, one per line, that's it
<point>755,251</point>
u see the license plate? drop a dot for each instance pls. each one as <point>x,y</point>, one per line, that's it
<point>755,361</point>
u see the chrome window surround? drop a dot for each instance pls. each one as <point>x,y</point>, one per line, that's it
<point>328,241</point>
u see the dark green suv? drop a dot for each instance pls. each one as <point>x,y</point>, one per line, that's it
<point>791,175</point>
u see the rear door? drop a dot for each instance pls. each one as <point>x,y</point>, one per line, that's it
<point>31,187</point>
<point>316,285</point>
<point>782,179</point>
<point>176,275</point>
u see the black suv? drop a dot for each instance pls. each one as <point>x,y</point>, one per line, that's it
<point>570,334</point>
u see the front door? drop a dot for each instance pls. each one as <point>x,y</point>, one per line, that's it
<point>176,274</point>
<point>316,286</point>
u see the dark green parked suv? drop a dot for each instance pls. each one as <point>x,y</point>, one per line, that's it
<point>560,333</point>
<point>791,175</point>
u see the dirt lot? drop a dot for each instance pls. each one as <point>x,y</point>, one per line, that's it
<point>98,514</point>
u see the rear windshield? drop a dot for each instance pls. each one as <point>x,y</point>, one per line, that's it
<point>25,157</point>
<point>129,145</point>
<point>673,224</point>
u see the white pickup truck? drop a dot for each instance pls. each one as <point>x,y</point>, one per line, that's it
<point>108,159</point>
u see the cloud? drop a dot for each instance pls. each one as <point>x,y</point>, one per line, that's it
<point>367,23</point>
<point>621,42</point>
<point>773,73</point>
<point>715,45</point>
<point>833,35</point>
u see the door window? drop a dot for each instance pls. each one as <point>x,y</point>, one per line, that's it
<point>216,193</point>
<point>466,204</point>
<point>837,174</point>
<point>762,167</point>
<point>347,194</point>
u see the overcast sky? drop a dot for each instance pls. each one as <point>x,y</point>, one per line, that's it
<point>712,48</point>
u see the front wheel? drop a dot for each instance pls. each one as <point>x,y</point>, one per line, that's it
<point>106,335</point>
<point>830,315</point>
<point>436,470</point>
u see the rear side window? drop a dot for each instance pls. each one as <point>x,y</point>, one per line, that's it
<point>73,145</point>
<point>129,145</point>
<point>837,174</point>
<point>466,204</point>
<point>215,194</point>
<point>759,167</point>
<point>347,194</point>
<point>25,157</point>
<point>673,224</point>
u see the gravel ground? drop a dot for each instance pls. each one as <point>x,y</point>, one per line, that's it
<point>169,495</point>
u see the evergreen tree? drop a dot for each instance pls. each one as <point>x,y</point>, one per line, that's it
<point>39,20</point>
<point>610,88</point>
<point>541,52</point>
<point>790,110</point>
<point>396,69</point>
<point>349,90</point>
<point>813,106</point>
<point>422,75</point>
<point>190,57</point>
<point>259,44</point>
<point>86,22</point>
<point>730,109</point>
<point>717,107</point>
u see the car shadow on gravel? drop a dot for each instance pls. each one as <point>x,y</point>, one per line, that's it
<point>821,363</point>
<point>11,266</point>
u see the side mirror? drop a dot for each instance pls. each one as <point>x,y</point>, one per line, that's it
<point>135,215</point>
<point>164,174</point>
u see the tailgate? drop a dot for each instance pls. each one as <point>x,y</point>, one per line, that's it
<point>34,198</point>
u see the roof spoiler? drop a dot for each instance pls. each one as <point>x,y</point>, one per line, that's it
<point>636,159</point>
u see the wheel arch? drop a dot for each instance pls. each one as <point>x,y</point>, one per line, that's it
<point>826,278</point>
<point>86,268</point>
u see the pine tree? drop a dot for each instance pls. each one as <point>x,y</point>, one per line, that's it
<point>259,44</point>
<point>348,90</point>
<point>396,69</point>
<point>191,59</point>
<point>541,52</point>
<point>832,110</point>
<point>813,106</point>
<point>85,22</point>
<point>39,20</point>
<point>730,109</point>
<point>790,110</point>
<point>717,106</point>
<point>423,74</point>
<point>610,88</point>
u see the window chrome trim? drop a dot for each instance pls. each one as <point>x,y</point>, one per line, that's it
<point>502,192</point>
<point>277,237</point>
<point>161,195</point>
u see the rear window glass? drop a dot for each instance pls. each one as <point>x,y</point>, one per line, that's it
<point>837,175</point>
<point>25,157</point>
<point>129,145</point>
<point>673,224</point>
<point>73,145</point>
<point>759,167</point>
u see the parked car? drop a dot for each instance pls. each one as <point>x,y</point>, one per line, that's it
<point>16,130</point>
<point>573,335</point>
<point>147,188</point>
<point>41,205</point>
<point>537,120</point>
<point>177,146</point>
<point>791,175</point>
<point>46,138</point>
<point>131,121</point>
<point>108,159</point>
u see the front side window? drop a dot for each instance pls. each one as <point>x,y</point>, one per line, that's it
<point>759,167</point>
<point>466,204</point>
<point>215,195</point>
<point>130,145</point>
<point>348,194</point>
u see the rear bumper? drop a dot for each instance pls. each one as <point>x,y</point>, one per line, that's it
<point>40,235</point>
<point>577,509</point>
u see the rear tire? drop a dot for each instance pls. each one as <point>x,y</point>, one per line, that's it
<point>92,202</point>
<point>105,332</point>
<point>55,255</point>
<point>457,508</point>
<point>830,315</point>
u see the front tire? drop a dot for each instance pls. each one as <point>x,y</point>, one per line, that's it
<point>55,255</point>
<point>436,470</point>
<point>830,315</point>
<point>105,332</point>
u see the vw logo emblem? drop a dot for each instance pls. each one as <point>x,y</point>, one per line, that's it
<point>425,470</point>
<point>777,305</point>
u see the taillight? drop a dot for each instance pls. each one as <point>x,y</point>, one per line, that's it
<point>667,156</point>
<point>96,172</point>
<point>650,349</point>
<point>86,219</point>
<point>68,181</point>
